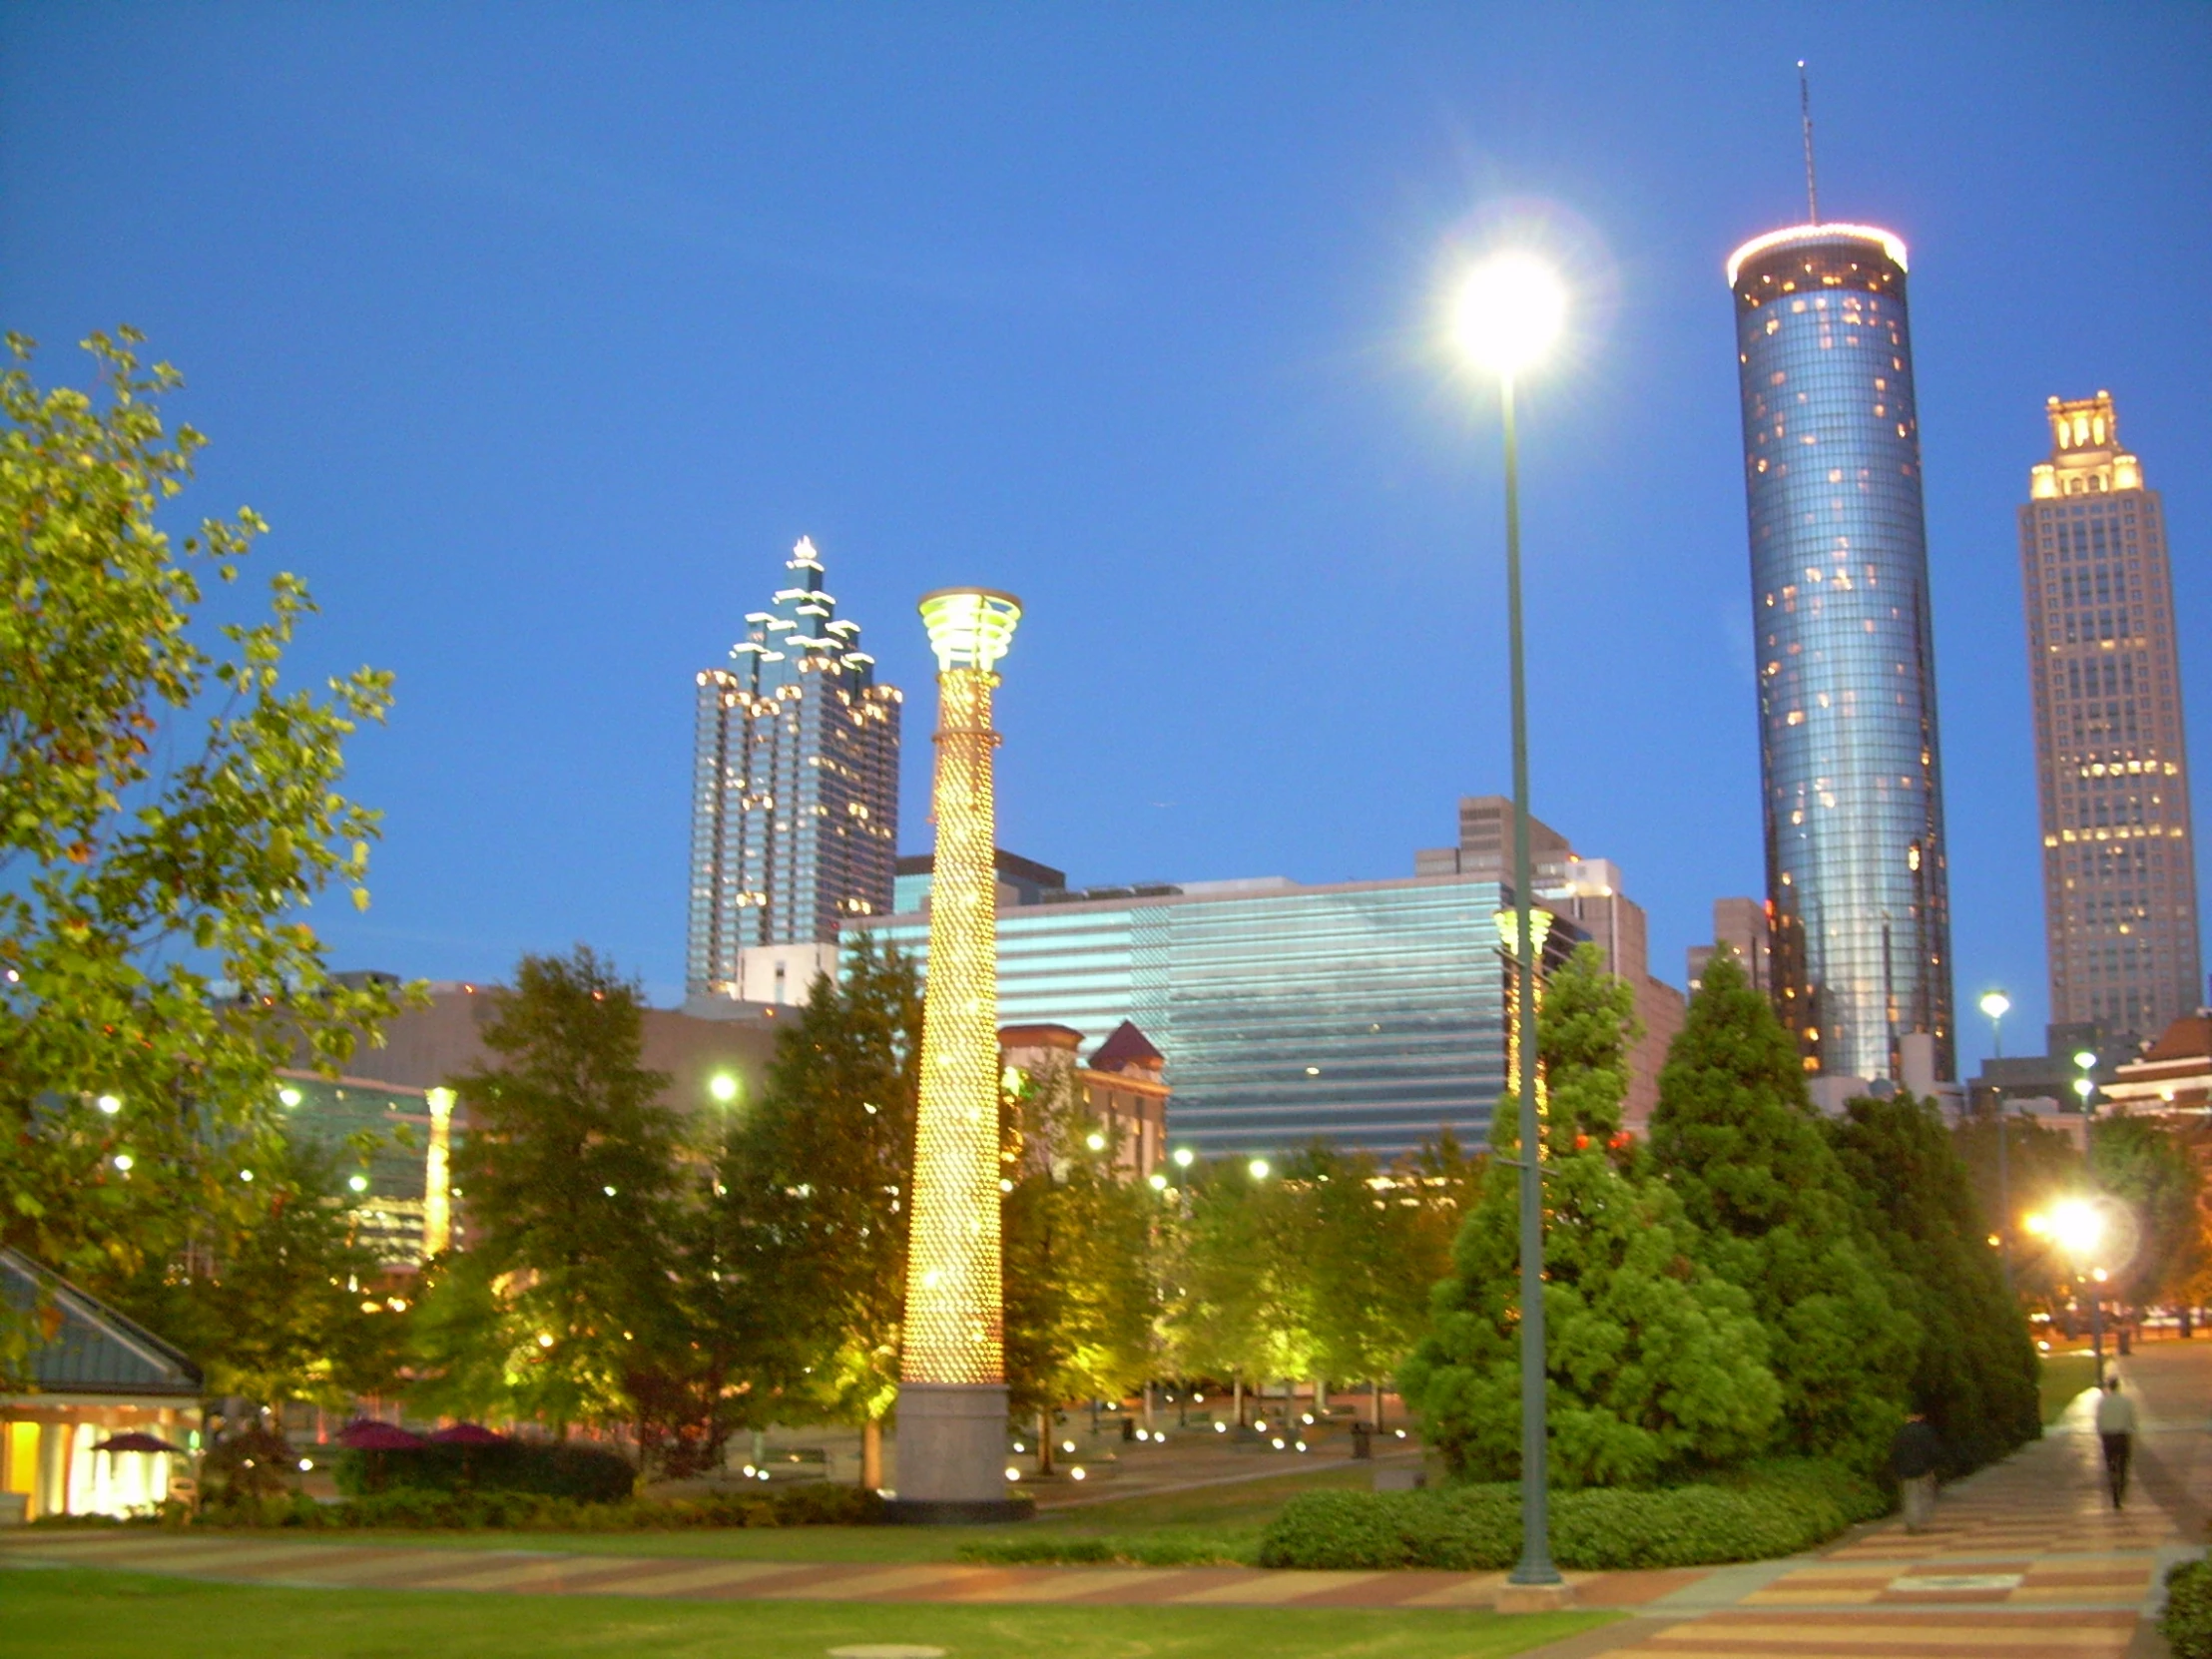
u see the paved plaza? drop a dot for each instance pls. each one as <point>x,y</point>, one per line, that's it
<point>2025,1559</point>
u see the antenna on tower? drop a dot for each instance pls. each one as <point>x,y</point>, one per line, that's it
<point>1805,116</point>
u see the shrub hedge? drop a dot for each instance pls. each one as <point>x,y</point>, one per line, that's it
<point>2187,1621</point>
<point>1149,1549</point>
<point>1775,1509</point>
<point>422,1509</point>
<point>586,1473</point>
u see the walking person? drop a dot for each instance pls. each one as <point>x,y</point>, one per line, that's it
<point>2117,1428</point>
<point>1915,1456</point>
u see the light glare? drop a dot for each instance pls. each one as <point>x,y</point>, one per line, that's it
<point>1996,1004</point>
<point>1511,311</point>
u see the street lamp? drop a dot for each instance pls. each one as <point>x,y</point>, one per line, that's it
<point>2078,1226</point>
<point>2086,1085</point>
<point>1509,311</point>
<point>1997,1005</point>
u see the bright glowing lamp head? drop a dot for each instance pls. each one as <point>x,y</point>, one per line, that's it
<point>1258,1169</point>
<point>1184,1157</point>
<point>2085,1088</point>
<point>722,1087</point>
<point>1509,311</point>
<point>1996,1004</point>
<point>970,627</point>
<point>440,1101</point>
<point>2076,1226</point>
<point>1539,930</point>
<point>2085,1060</point>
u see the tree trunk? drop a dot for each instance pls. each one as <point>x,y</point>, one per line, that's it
<point>1321,1395</point>
<point>871,1453</point>
<point>1374,1403</point>
<point>1044,1442</point>
<point>1238,1382</point>
<point>1148,1408</point>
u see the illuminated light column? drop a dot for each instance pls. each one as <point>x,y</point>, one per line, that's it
<point>1509,932</point>
<point>952,1390</point>
<point>437,1174</point>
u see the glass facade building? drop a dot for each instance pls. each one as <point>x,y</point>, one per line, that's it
<point>1368,1014</point>
<point>2112,763</point>
<point>795,784</point>
<point>1851,768</point>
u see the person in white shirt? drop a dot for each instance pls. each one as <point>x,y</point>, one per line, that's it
<point>2116,1429</point>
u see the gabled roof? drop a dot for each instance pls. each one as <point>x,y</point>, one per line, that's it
<point>1127,1047</point>
<point>2188,1038</point>
<point>93,1349</point>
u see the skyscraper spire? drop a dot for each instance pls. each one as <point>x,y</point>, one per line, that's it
<point>1805,119</point>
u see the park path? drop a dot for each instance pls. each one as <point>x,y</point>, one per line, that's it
<point>2025,1559</point>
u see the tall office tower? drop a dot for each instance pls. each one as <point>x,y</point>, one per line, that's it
<point>1587,892</point>
<point>1739,930</point>
<point>795,787</point>
<point>1849,764</point>
<point>2119,864</point>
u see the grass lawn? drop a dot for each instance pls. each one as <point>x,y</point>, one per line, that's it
<point>1230,1515</point>
<point>2062,1377</point>
<point>72,1614</point>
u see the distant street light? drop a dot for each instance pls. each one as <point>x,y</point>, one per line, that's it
<point>723,1086</point>
<point>1511,310</point>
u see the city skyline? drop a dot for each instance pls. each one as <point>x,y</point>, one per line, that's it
<point>1164,362</point>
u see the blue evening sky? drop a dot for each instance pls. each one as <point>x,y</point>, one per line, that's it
<point>540,332</point>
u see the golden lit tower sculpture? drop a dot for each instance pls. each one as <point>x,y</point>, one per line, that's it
<point>952,1388</point>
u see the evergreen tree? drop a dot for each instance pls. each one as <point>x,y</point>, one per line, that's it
<point>1736,1136</point>
<point>1975,1370</point>
<point>570,1170</point>
<point>1657,1367</point>
<point>812,1205</point>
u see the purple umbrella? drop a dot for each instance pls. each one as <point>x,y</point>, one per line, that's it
<point>469,1434</point>
<point>134,1441</point>
<point>367,1435</point>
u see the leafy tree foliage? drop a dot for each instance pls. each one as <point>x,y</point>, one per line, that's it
<point>1736,1136</point>
<point>1974,1374</point>
<point>813,1187</point>
<point>2042,1166</point>
<point>2145,1167</point>
<point>1241,1296</point>
<point>1657,1367</point>
<point>167,810</point>
<point>569,1170</point>
<point>1077,1245</point>
<point>1372,1256</point>
<point>283,1305</point>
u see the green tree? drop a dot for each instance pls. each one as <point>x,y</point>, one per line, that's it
<point>2143,1166</point>
<point>167,808</point>
<point>574,1191</point>
<point>1975,1370</point>
<point>813,1202</point>
<point>1657,1367</point>
<point>1239,1298</point>
<point>1077,1249</point>
<point>1735,1134</point>
<point>283,1304</point>
<point>2042,1166</point>
<point>1370,1275</point>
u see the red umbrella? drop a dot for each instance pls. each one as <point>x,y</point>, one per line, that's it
<point>134,1441</point>
<point>469,1434</point>
<point>367,1435</point>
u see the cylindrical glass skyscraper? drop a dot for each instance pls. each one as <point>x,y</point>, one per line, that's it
<point>1856,894</point>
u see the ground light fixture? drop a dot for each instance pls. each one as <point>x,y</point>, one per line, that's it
<point>1508,312</point>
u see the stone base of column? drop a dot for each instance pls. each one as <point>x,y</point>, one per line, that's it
<point>953,1456</point>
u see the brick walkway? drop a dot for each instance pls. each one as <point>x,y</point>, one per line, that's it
<point>2025,1559</point>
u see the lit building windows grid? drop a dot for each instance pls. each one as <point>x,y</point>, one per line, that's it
<point>1370,1015</point>
<point>1851,758</point>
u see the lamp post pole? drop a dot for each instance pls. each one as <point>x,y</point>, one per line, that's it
<point>1535,1565</point>
<point>1996,1004</point>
